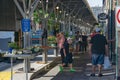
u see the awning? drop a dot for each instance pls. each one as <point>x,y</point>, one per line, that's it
<point>79,11</point>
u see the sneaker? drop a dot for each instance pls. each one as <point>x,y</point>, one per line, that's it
<point>100,75</point>
<point>93,75</point>
<point>61,68</point>
<point>72,70</point>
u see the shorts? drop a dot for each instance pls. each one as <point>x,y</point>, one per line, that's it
<point>77,43</point>
<point>97,59</point>
<point>68,58</point>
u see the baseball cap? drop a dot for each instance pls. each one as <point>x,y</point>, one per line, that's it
<point>69,38</point>
<point>97,29</point>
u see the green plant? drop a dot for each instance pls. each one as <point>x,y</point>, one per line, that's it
<point>13,45</point>
<point>67,34</point>
<point>51,39</point>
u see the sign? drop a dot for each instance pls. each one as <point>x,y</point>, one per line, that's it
<point>117,16</point>
<point>25,25</point>
<point>102,16</point>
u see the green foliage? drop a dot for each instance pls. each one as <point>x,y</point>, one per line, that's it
<point>66,34</point>
<point>51,21</point>
<point>73,37</point>
<point>13,45</point>
<point>52,16</point>
<point>36,49</point>
<point>38,15</point>
<point>51,39</point>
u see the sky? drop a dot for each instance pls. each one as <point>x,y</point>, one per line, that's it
<point>93,3</point>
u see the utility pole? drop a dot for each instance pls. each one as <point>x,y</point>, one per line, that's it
<point>116,48</point>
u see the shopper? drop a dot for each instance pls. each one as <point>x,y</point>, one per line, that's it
<point>98,48</point>
<point>68,59</point>
<point>60,41</point>
<point>84,42</point>
<point>77,43</point>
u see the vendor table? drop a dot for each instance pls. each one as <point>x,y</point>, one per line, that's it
<point>26,58</point>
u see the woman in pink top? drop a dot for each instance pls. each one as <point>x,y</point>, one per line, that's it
<point>61,40</point>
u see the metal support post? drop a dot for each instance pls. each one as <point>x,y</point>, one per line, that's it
<point>56,52</point>
<point>64,22</point>
<point>11,68</point>
<point>116,51</point>
<point>26,67</point>
<point>69,24</point>
<point>110,28</point>
<point>44,56</point>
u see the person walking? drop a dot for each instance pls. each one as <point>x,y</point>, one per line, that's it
<point>60,41</point>
<point>77,36</point>
<point>98,48</point>
<point>68,59</point>
<point>66,56</point>
<point>84,42</point>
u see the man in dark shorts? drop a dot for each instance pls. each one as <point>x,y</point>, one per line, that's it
<point>98,48</point>
<point>68,57</point>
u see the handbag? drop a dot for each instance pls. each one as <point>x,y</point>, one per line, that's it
<point>107,64</point>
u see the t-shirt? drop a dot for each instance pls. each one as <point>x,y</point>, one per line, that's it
<point>77,36</point>
<point>61,42</point>
<point>84,38</point>
<point>98,44</point>
<point>66,46</point>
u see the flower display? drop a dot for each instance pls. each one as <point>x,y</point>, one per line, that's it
<point>52,40</point>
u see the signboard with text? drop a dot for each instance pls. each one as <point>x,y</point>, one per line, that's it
<point>102,16</point>
<point>117,16</point>
<point>25,25</point>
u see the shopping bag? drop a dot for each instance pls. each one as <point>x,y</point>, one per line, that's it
<point>107,64</point>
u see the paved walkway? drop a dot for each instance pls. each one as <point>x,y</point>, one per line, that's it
<point>83,69</point>
<point>81,64</point>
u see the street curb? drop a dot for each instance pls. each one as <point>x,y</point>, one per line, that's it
<point>43,68</point>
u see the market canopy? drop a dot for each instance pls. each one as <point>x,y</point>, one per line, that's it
<point>78,11</point>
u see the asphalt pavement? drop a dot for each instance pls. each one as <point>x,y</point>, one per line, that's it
<point>82,65</point>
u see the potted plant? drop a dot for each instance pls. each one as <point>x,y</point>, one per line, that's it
<point>13,46</point>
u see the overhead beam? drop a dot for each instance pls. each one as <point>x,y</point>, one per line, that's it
<point>20,8</point>
<point>73,9</point>
<point>33,7</point>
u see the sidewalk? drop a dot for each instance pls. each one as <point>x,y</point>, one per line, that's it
<point>83,69</point>
<point>81,64</point>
